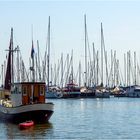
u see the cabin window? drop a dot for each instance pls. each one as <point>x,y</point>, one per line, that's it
<point>16,90</point>
<point>19,89</point>
<point>24,90</point>
<point>41,90</point>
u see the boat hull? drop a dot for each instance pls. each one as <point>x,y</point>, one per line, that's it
<point>71,94</point>
<point>39,113</point>
<point>53,95</point>
<point>102,94</point>
<point>89,94</point>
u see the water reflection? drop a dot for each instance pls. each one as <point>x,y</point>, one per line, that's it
<point>114,118</point>
<point>38,131</point>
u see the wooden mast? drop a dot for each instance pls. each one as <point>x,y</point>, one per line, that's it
<point>9,71</point>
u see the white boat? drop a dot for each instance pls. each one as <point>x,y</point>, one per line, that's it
<point>87,92</point>
<point>23,101</point>
<point>54,92</point>
<point>133,91</point>
<point>102,93</point>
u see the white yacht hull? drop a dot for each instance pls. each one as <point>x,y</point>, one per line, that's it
<point>54,95</point>
<point>102,94</point>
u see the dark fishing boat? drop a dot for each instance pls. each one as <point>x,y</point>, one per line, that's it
<point>71,91</point>
<point>23,101</point>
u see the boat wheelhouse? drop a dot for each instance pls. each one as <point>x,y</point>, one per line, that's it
<point>28,93</point>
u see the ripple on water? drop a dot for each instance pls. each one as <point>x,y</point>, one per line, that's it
<point>114,118</point>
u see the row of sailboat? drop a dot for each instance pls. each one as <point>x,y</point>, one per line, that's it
<point>62,82</point>
<point>71,89</point>
<point>94,76</point>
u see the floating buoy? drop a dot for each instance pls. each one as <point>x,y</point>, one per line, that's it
<point>25,125</point>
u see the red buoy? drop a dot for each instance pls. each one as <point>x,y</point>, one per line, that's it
<point>26,124</point>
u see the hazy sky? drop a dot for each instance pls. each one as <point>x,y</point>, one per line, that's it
<point>121,24</point>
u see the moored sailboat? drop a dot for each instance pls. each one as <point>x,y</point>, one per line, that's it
<point>53,92</point>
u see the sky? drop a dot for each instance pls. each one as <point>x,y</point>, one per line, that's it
<point>121,26</point>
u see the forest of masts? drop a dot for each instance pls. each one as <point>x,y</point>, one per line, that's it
<point>99,69</point>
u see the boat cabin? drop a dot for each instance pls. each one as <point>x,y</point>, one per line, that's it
<point>4,94</point>
<point>28,93</point>
<point>133,91</point>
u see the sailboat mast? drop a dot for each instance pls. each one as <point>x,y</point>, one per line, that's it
<point>51,82</point>
<point>9,77</point>
<point>48,56</point>
<point>135,68</point>
<point>129,65</point>
<point>32,59</point>
<point>62,70</point>
<point>101,54</point>
<point>55,74</point>
<point>18,69</point>
<point>80,74</point>
<point>112,61</point>
<point>12,58</point>
<point>72,66</point>
<point>36,70</point>
<point>97,68</point>
<point>39,71</point>
<point>114,81</point>
<point>67,73</point>
<point>2,75</point>
<point>107,79</point>
<point>33,71</point>
<point>125,70</point>
<point>93,75</point>
<point>85,51</point>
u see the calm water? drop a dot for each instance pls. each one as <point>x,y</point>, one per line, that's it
<point>114,118</point>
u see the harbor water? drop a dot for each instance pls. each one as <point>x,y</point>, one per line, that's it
<point>108,118</point>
